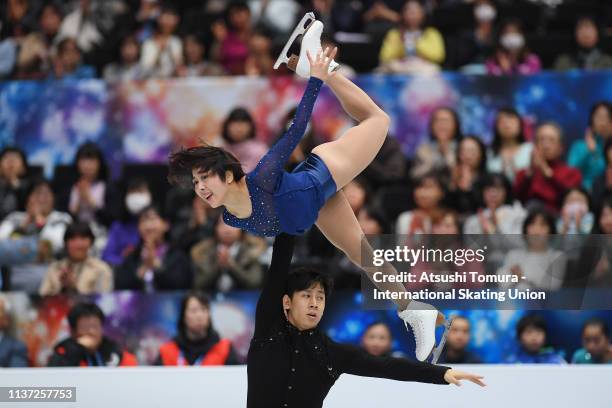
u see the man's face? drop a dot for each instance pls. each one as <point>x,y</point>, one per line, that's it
<point>305,308</point>
<point>533,339</point>
<point>78,248</point>
<point>90,326</point>
<point>459,334</point>
<point>548,140</point>
<point>594,341</point>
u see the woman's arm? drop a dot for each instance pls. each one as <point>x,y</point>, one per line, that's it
<point>271,165</point>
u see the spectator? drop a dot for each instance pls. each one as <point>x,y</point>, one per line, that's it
<point>238,133</point>
<point>510,152</point>
<point>123,237</point>
<point>231,48</point>
<point>498,214</point>
<point>197,343</point>
<point>49,22</point>
<point>587,155</point>
<point>429,196</point>
<point>33,60</point>
<point>377,340</point>
<point>389,165</point>
<point>456,351</point>
<point>412,47</point>
<point>18,18</point>
<point>547,177</point>
<point>596,347</point>
<point>195,64</point>
<point>162,54</point>
<point>155,264</point>
<point>128,68</point>
<point>477,44</point>
<point>538,266</point>
<point>587,55</point>
<point>440,153</point>
<point>67,63</point>
<point>471,165</point>
<point>532,334</point>
<point>91,197</point>
<point>13,180</point>
<point>373,221</point>
<point>512,55</point>
<point>259,61</point>
<point>77,272</point>
<point>379,16</point>
<point>603,184</point>
<point>357,193</point>
<point>13,352</point>
<point>229,260</point>
<point>87,345</point>
<point>198,225</point>
<point>39,220</point>
<point>146,19</point>
<point>84,25</point>
<point>576,216</point>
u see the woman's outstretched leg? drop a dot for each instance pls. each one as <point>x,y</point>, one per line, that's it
<point>354,151</point>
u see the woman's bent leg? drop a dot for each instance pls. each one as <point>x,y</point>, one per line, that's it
<point>354,151</point>
<point>340,226</point>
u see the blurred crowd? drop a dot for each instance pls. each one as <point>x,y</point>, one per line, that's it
<point>138,39</point>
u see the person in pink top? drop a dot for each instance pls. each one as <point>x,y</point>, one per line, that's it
<point>231,48</point>
<point>239,138</point>
<point>512,55</point>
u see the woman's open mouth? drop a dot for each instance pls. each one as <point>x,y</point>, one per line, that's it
<point>208,196</point>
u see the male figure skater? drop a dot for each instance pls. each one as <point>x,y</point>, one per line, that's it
<point>291,363</point>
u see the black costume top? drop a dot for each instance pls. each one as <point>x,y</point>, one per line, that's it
<point>292,368</point>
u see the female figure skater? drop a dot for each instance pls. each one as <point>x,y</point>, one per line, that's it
<point>291,363</point>
<point>269,201</point>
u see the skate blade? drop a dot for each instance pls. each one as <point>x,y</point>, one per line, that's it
<point>301,28</point>
<point>438,350</point>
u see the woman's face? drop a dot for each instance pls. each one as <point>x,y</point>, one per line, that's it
<point>78,247</point>
<point>50,21</point>
<point>239,130</point>
<point>443,126</point>
<point>197,316</point>
<point>41,199</point>
<point>88,167</point>
<point>377,340</point>
<point>168,22</point>
<point>152,227</point>
<point>470,153</point>
<point>605,220</point>
<point>586,34</point>
<point>413,15</point>
<point>538,232</point>
<point>227,234</point>
<point>602,122</point>
<point>446,226</point>
<point>494,196</point>
<point>428,194</point>
<point>508,126</point>
<point>194,51</point>
<point>129,52</point>
<point>240,19</point>
<point>209,187</point>
<point>12,166</point>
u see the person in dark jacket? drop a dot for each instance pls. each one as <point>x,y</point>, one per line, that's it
<point>291,363</point>
<point>155,264</point>
<point>197,342</point>
<point>87,346</point>
<point>456,351</point>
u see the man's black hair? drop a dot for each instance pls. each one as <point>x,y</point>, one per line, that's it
<point>81,310</point>
<point>78,229</point>
<point>303,278</point>
<point>531,321</point>
<point>540,211</point>
<point>204,158</point>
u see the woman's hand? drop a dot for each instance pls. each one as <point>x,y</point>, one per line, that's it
<point>319,66</point>
<point>453,376</point>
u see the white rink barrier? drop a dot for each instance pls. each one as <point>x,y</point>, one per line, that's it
<point>529,386</point>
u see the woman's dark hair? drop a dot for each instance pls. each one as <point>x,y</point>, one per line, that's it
<point>516,23</point>
<point>601,104</point>
<point>90,150</point>
<point>81,310</point>
<point>17,151</point>
<point>597,321</point>
<point>482,166</point>
<point>205,159</point>
<point>581,191</point>
<point>458,134</point>
<point>531,321</point>
<point>35,184</point>
<point>606,201</point>
<point>303,278</point>
<point>154,208</point>
<point>379,216</point>
<point>232,7</point>
<point>128,39</point>
<point>377,323</point>
<point>540,212</point>
<point>201,297</point>
<point>497,138</point>
<point>495,180</point>
<point>237,115</point>
<point>439,177</point>
<point>78,229</point>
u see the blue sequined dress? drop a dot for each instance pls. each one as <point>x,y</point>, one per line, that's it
<point>282,201</point>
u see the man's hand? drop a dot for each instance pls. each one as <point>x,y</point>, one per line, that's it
<point>453,376</point>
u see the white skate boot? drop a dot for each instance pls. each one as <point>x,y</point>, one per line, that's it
<point>311,42</point>
<point>422,319</point>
